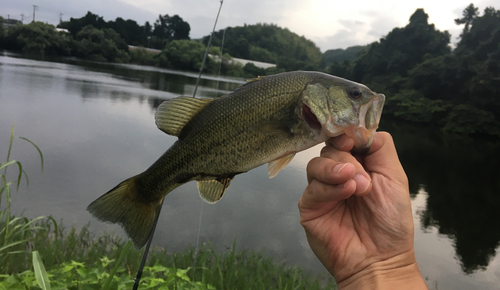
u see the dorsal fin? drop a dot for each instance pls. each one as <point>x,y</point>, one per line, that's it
<point>249,81</point>
<point>212,191</point>
<point>258,78</point>
<point>172,115</point>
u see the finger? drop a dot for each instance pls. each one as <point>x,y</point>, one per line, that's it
<point>361,177</point>
<point>383,158</point>
<point>342,142</point>
<point>326,196</point>
<point>329,171</point>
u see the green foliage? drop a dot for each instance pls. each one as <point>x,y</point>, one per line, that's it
<point>402,49</point>
<point>14,231</point>
<point>75,275</point>
<point>269,43</point>
<point>74,25</point>
<point>100,45</point>
<point>183,55</point>
<point>2,30</point>
<point>411,106</point>
<point>165,29</point>
<point>426,82</point>
<point>83,261</point>
<point>466,119</point>
<point>469,14</point>
<point>339,55</point>
<point>141,56</point>
<point>40,274</point>
<point>38,38</point>
<point>129,31</point>
<point>171,28</point>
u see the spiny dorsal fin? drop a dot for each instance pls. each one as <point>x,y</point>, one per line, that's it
<point>276,165</point>
<point>172,115</point>
<point>249,81</point>
<point>212,191</point>
<point>255,79</point>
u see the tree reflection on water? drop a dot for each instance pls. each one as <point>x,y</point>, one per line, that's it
<point>462,178</point>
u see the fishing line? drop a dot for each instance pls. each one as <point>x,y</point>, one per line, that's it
<point>206,51</point>
<point>150,238</point>
<point>220,64</point>
<point>199,230</point>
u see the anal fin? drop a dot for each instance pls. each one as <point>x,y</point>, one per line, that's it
<point>212,190</point>
<point>275,166</point>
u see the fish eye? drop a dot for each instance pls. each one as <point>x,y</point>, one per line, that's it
<point>356,93</point>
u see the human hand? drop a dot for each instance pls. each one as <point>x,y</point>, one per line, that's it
<point>357,215</point>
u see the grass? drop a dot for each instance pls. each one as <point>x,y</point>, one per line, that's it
<point>42,254</point>
<point>80,257</point>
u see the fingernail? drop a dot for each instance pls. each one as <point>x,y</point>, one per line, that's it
<point>337,168</point>
<point>361,182</point>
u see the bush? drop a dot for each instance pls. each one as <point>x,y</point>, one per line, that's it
<point>101,45</point>
<point>38,39</point>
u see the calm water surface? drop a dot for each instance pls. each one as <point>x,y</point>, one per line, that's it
<point>95,125</point>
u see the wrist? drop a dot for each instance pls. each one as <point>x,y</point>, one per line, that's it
<point>399,272</point>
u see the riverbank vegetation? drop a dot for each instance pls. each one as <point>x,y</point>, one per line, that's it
<point>426,81</point>
<point>35,253</point>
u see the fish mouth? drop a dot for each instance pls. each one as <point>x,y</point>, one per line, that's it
<point>310,119</point>
<point>369,118</point>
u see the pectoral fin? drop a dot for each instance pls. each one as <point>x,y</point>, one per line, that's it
<point>275,166</point>
<point>212,191</point>
<point>172,115</point>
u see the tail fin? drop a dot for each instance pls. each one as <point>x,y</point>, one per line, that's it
<point>123,205</point>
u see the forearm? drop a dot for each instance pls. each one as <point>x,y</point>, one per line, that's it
<point>400,272</point>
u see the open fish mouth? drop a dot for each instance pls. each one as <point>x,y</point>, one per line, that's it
<point>309,117</point>
<point>362,131</point>
<point>369,118</point>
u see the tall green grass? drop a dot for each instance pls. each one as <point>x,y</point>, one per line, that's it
<point>42,254</point>
<point>15,232</point>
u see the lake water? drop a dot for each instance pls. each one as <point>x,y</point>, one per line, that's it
<point>95,125</point>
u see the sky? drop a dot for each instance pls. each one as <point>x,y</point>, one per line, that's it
<point>330,24</point>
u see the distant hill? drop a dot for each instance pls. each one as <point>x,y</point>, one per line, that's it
<point>268,43</point>
<point>339,55</point>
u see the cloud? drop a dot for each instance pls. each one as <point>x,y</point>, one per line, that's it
<point>355,32</point>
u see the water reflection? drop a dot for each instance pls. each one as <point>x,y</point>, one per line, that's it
<point>461,177</point>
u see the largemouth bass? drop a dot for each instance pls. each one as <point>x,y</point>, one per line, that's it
<point>266,120</point>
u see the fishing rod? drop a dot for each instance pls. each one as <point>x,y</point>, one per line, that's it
<point>206,51</point>
<point>150,238</point>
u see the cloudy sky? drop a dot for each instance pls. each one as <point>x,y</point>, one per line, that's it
<point>329,23</point>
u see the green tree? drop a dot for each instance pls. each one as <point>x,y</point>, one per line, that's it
<point>129,30</point>
<point>468,15</point>
<point>101,45</point>
<point>2,30</point>
<point>168,28</point>
<point>268,43</point>
<point>74,25</point>
<point>401,50</point>
<point>38,38</point>
<point>183,54</point>
<point>340,55</point>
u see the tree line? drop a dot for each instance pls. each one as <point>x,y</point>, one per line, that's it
<point>92,38</point>
<point>424,79</point>
<point>428,82</point>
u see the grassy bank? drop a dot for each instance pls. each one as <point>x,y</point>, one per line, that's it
<point>74,258</point>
